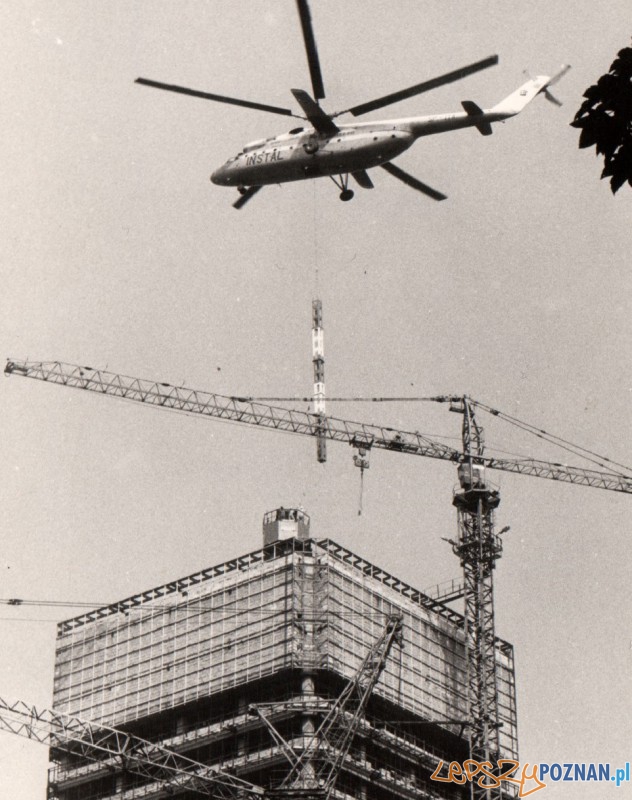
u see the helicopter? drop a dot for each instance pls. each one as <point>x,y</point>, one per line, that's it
<point>324,148</point>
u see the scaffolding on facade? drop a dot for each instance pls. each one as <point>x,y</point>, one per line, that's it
<point>182,663</point>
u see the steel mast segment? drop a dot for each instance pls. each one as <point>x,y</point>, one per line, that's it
<point>478,547</point>
<point>318,360</point>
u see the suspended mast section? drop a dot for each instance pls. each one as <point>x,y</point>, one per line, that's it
<point>318,360</point>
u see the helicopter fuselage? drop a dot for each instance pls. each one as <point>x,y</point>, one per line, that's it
<point>305,153</point>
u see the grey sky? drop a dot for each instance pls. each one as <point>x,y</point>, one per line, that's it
<point>118,252</point>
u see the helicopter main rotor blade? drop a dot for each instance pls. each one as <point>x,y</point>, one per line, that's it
<point>234,101</point>
<point>251,192</point>
<point>419,88</point>
<point>310,47</point>
<point>321,121</point>
<point>414,183</point>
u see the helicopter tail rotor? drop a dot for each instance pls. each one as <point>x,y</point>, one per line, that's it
<point>550,97</point>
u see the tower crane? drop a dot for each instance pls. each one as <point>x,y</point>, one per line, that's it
<point>477,546</point>
<point>313,771</point>
<point>359,435</point>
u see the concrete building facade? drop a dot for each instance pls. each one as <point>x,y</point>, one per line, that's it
<point>183,663</point>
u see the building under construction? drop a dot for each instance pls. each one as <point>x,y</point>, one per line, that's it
<point>237,665</point>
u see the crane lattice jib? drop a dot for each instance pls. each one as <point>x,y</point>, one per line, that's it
<point>353,701</point>
<point>115,749</point>
<point>235,409</point>
<point>332,739</point>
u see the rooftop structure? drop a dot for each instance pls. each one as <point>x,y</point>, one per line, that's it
<point>285,625</point>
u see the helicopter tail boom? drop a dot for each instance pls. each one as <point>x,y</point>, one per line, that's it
<point>516,101</point>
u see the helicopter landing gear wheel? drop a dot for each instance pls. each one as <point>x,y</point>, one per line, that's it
<point>242,189</point>
<point>342,182</point>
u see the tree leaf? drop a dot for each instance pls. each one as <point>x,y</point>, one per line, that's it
<point>605,120</point>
